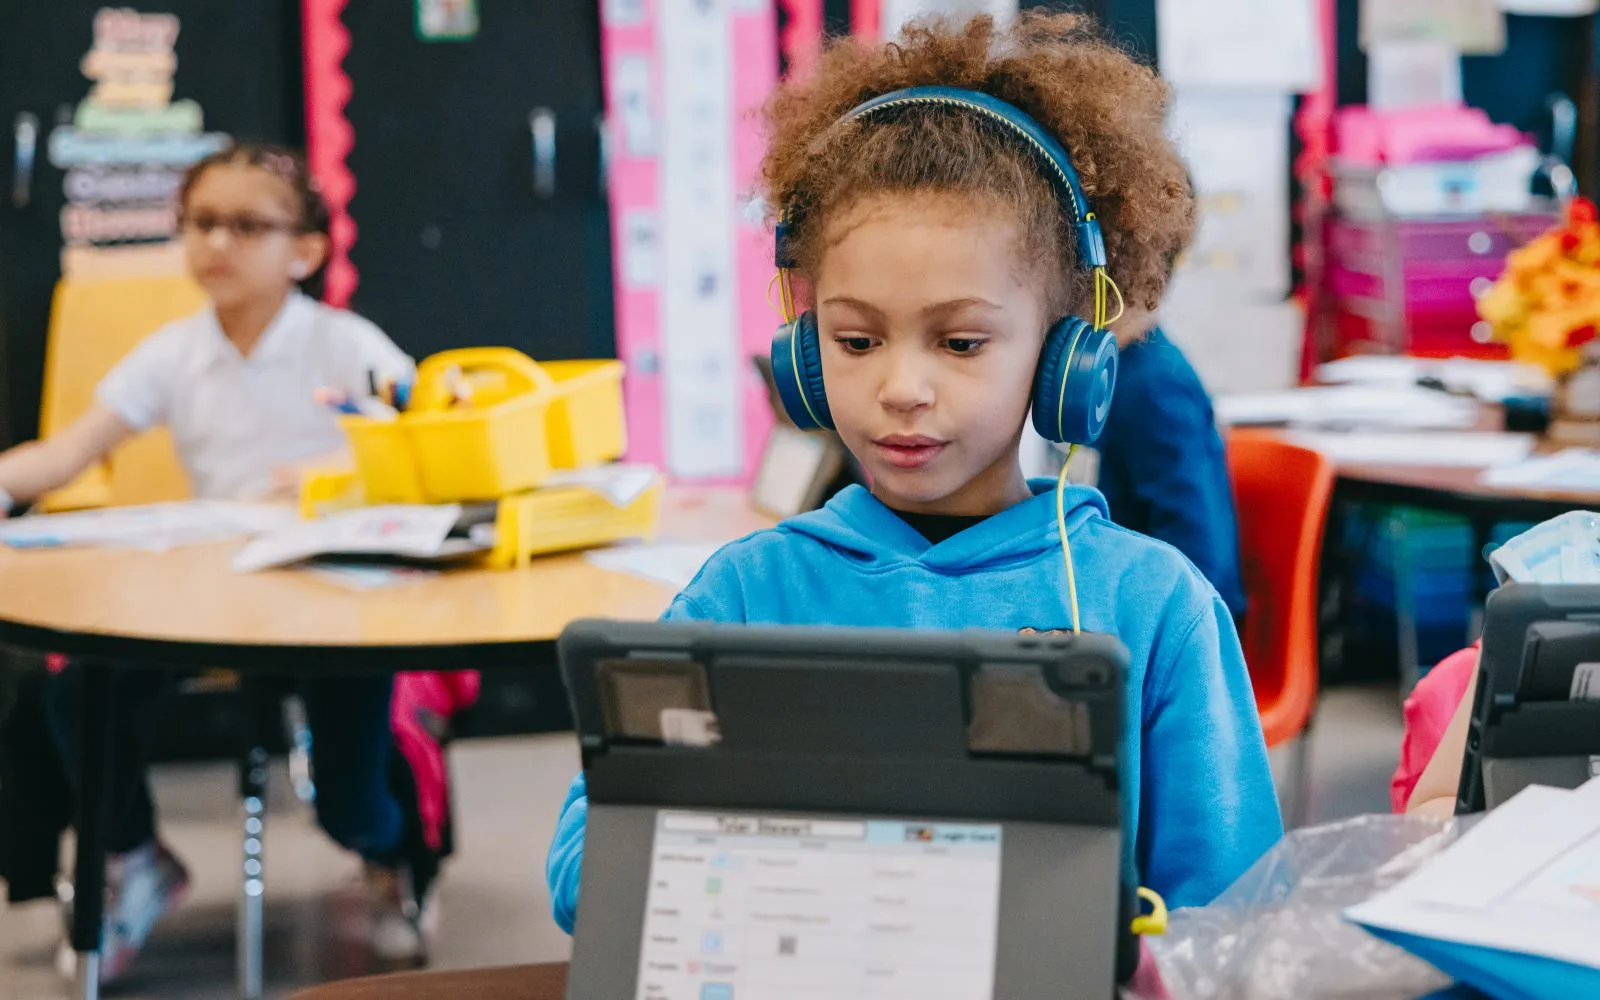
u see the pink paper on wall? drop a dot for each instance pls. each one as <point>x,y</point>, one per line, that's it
<point>631,57</point>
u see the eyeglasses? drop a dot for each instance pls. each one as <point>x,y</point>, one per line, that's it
<point>239,227</point>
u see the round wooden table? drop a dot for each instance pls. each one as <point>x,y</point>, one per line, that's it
<point>186,608</point>
<point>517,982</point>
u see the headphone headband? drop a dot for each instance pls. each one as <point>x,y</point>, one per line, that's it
<point>1052,155</point>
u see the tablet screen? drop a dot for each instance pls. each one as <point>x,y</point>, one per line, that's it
<point>747,906</point>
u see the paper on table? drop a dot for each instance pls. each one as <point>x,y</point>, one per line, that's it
<point>1526,880</point>
<point>1464,449</point>
<point>1490,381</point>
<point>1396,407</point>
<point>410,531</point>
<point>621,484</point>
<point>672,563</point>
<point>153,527</point>
<point>1575,469</point>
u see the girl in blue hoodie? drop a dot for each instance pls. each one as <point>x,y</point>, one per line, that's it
<point>936,250</point>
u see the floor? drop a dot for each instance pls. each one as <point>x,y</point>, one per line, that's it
<point>495,908</point>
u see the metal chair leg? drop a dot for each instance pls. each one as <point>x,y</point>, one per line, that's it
<point>89,878</point>
<point>1300,809</point>
<point>253,782</point>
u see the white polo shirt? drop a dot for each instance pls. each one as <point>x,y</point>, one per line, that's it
<point>236,419</point>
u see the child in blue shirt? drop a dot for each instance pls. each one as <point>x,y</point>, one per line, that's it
<point>937,248</point>
<point>1163,469</point>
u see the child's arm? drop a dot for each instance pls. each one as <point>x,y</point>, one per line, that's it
<point>1430,710</point>
<point>1208,808</point>
<point>564,864</point>
<point>286,479</point>
<point>713,595</point>
<point>1435,794</point>
<point>31,470</point>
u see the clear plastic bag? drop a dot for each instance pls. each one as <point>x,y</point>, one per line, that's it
<point>1279,933</point>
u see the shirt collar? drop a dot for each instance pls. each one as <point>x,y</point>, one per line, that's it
<point>277,340</point>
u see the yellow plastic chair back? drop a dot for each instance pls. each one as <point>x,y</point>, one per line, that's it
<point>93,325</point>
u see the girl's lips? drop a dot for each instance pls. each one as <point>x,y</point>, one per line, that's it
<point>907,451</point>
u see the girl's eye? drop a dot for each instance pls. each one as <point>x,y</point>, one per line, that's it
<point>855,345</point>
<point>963,345</point>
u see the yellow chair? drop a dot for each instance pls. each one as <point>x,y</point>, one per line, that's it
<point>93,325</point>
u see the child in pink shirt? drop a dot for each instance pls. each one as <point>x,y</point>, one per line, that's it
<point>1437,700</point>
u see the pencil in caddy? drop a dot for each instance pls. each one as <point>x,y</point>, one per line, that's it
<point>489,424</point>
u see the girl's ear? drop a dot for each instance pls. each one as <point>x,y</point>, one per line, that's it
<point>311,252</point>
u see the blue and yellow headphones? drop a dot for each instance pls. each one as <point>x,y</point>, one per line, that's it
<point>1077,370</point>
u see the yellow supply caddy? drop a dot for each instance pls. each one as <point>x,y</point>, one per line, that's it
<point>491,424</point>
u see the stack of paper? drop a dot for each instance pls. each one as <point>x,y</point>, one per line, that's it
<point>1573,470</point>
<point>620,483</point>
<point>1390,407</point>
<point>1513,908</point>
<point>153,527</point>
<point>1490,381</point>
<point>401,530</point>
<point>1454,449</point>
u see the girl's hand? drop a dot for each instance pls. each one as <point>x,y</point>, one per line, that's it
<point>286,483</point>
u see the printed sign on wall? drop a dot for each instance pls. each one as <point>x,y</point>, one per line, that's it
<point>129,142</point>
<point>692,260</point>
<point>447,20</point>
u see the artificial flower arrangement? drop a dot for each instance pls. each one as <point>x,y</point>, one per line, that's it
<point>1546,309</point>
<point>1546,306</point>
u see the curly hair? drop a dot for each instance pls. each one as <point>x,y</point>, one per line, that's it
<point>1106,108</point>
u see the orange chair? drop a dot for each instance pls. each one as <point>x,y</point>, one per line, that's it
<point>1282,493</point>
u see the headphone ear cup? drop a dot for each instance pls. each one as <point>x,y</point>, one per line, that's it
<point>1074,383</point>
<point>797,370</point>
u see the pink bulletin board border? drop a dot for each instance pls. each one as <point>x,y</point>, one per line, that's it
<point>634,186</point>
<point>802,36</point>
<point>1313,123</point>
<point>865,17</point>
<point>329,136</point>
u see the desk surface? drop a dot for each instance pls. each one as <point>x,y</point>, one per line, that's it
<point>519,982</point>
<point>88,600</point>
<point>1399,483</point>
<point>1461,482</point>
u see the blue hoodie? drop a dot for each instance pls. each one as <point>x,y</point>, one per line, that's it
<point>1198,801</point>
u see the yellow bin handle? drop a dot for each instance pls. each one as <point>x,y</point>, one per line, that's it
<point>1155,922</point>
<point>522,374</point>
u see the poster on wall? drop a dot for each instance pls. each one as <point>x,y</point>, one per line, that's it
<point>125,150</point>
<point>692,254</point>
<point>1256,44</point>
<point>700,315</point>
<point>898,12</point>
<point>447,20</point>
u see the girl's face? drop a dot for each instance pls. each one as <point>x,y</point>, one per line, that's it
<point>241,234</point>
<point>931,327</point>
